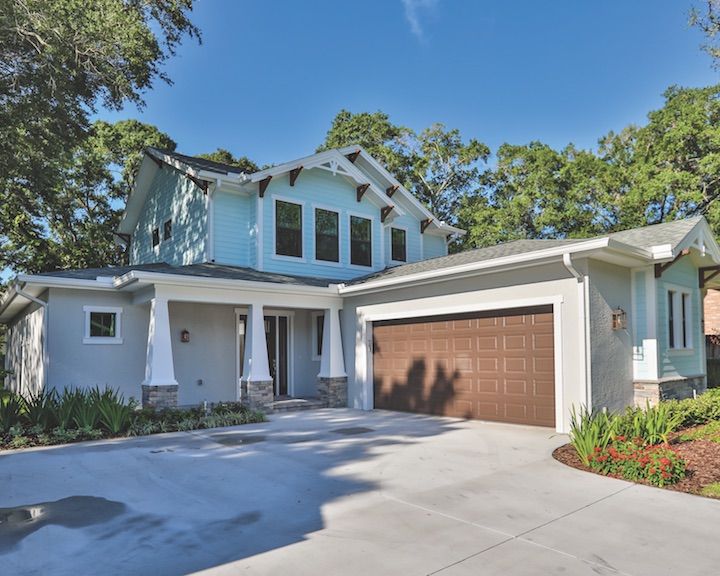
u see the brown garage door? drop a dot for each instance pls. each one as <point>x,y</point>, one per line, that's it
<point>488,366</point>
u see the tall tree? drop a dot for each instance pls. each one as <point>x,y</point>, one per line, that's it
<point>60,59</point>
<point>705,15</point>
<point>223,156</point>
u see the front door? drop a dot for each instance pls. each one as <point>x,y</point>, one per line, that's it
<point>276,335</point>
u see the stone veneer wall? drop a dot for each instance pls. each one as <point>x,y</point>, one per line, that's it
<point>159,397</point>
<point>257,395</point>
<point>333,392</point>
<point>658,390</point>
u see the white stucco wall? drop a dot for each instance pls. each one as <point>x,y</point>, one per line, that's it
<point>610,351</point>
<point>547,284</point>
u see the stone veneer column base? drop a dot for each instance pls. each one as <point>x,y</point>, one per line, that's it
<point>333,391</point>
<point>160,397</point>
<point>257,395</point>
<point>672,389</point>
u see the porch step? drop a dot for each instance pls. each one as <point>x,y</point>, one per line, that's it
<point>297,404</point>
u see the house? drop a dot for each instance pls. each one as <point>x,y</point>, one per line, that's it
<point>324,278</point>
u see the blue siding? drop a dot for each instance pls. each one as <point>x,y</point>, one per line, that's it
<point>172,196</point>
<point>681,275</point>
<point>433,246</point>
<point>232,228</point>
<point>318,188</point>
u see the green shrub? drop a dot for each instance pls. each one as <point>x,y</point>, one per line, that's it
<point>66,406</point>
<point>652,423</point>
<point>114,413</point>
<point>635,460</point>
<point>589,430</point>
<point>40,409</point>
<point>693,411</point>
<point>11,411</point>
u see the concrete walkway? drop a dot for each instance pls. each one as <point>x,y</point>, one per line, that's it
<point>340,492</point>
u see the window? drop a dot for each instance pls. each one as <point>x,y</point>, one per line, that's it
<point>399,250</point>
<point>288,229</point>
<point>326,235</point>
<point>155,237</point>
<point>102,325</point>
<point>360,241</point>
<point>318,329</point>
<point>679,320</point>
<point>167,230</point>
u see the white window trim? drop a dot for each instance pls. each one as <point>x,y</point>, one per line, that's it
<point>407,235</point>
<point>373,240</point>
<point>313,344</point>
<point>314,260</point>
<point>684,322</point>
<point>303,227</point>
<point>117,339</point>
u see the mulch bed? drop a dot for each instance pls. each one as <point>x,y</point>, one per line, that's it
<point>702,457</point>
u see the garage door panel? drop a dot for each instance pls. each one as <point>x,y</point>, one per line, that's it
<point>490,366</point>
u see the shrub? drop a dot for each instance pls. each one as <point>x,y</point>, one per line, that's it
<point>114,413</point>
<point>11,411</point>
<point>694,411</point>
<point>39,409</point>
<point>635,460</point>
<point>652,424</point>
<point>589,430</point>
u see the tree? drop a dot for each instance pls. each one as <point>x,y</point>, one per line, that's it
<point>707,19</point>
<point>223,156</point>
<point>59,60</point>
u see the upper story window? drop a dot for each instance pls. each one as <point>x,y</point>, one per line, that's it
<point>326,235</point>
<point>360,241</point>
<point>399,246</point>
<point>679,320</point>
<point>102,325</point>
<point>167,229</point>
<point>155,237</point>
<point>288,229</point>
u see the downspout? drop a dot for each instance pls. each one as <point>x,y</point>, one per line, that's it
<point>584,299</point>
<point>45,306</point>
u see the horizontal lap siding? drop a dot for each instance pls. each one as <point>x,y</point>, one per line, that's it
<point>491,368</point>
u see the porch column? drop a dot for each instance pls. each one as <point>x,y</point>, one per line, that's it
<point>256,385</point>
<point>159,389</point>
<point>332,379</point>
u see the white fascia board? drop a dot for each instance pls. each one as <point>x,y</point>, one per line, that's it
<point>703,239</point>
<point>306,161</point>
<point>148,278</point>
<point>136,199</point>
<point>446,229</point>
<point>583,248</point>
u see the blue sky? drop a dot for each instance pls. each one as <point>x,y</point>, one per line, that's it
<point>271,74</point>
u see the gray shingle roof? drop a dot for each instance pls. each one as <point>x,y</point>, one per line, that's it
<point>207,270</point>
<point>202,164</point>
<point>667,233</point>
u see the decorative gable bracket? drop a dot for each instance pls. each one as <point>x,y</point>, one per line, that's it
<point>294,173</point>
<point>263,184</point>
<point>353,156</point>
<point>385,211</point>
<point>390,190</point>
<point>424,224</point>
<point>704,279</point>
<point>202,184</point>
<point>361,190</point>
<point>660,268</point>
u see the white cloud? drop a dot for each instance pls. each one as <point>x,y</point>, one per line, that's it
<point>412,9</point>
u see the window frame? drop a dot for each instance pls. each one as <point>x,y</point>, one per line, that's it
<point>276,236</point>
<point>392,244</point>
<point>351,240</point>
<point>89,311</point>
<point>167,229</point>
<point>679,325</point>
<point>317,259</point>
<point>155,237</point>
<point>317,334</point>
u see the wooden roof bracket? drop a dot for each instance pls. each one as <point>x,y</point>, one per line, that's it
<point>705,279</point>
<point>390,190</point>
<point>353,156</point>
<point>294,173</point>
<point>385,211</point>
<point>202,184</point>
<point>424,224</point>
<point>361,190</point>
<point>263,185</point>
<point>660,268</point>
<point>124,237</point>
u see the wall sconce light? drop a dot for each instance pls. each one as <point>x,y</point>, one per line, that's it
<point>619,319</point>
<point>184,336</point>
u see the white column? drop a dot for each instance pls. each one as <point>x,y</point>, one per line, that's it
<point>159,370</point>
<point>255,363</point>
<point>332,362</point>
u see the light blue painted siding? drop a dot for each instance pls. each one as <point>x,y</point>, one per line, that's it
<point>318,188</point>
<point>232,228</point>
<point>680,276</point>
<point>172,196</point>
<point>434,246</point>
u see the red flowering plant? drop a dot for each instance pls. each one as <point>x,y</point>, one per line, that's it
<point>635,460</point>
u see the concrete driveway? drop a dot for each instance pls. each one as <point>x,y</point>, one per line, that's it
<point>340,492</point>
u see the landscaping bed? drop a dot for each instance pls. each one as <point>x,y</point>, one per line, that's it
<point>688,432</point>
